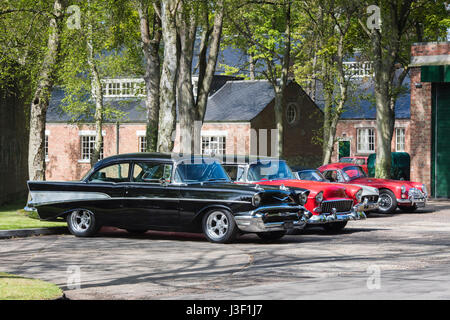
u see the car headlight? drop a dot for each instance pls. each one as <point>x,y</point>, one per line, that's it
<point>403,189</point>
<point>256,200</point>
<point>303,198</point>
<point>358,195</point>
<point>424,189</point>
<point>319,197</point>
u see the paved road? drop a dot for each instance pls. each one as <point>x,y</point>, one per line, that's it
<point>401,256</point>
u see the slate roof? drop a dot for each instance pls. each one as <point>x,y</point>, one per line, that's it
<point>239,100</point>
<point>134,109</point>
<point>362,105</point>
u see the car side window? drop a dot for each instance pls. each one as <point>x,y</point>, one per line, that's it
<point>152,172</point>
<point>114,173</point>
<point>240,173</point>
<point>331,175</point>
<point>232,171</point>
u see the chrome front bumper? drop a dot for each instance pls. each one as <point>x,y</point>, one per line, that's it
<point>366,206</point>
<point>416,197</point>
<point>254,221</point>
<point>338,217</point>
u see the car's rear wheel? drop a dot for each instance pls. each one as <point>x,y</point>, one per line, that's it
<point>219,226</point>
<point>334,226</point>
<point>271,235</point>
<point>82,223</point>
<point>387,202</point>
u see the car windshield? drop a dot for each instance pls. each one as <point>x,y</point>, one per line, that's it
<point>353,172</point>
<point>200,171</point>
<point>312,175</point>
<point>269,170</point>
<point>346,160</point>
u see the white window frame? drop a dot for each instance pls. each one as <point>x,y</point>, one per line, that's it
<point>142,143</point>
<point>123,88</point>
<point>402,141</point>
<point>365,138</point>
<point>86,158</point>
<point>219,147</point>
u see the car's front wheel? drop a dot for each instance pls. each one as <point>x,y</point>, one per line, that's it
<point>387,202</point>
<point>82,223</point>
<point>219,226</point>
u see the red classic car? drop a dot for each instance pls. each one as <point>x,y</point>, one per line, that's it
<point>329,205</point>
<point>358,160</point>
<point>406,195</point>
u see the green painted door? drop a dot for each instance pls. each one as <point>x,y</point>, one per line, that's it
<point>344,149</point>
<point>441,145</point>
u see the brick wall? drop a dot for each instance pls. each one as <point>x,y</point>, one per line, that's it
<point>64,147</point>
<point>421,113</point>
<point>347,130</point>
<point>237,135</point>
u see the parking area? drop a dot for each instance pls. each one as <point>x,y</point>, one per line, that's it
<point>400,256</point>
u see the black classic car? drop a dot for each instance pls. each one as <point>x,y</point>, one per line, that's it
<point>143,191</point>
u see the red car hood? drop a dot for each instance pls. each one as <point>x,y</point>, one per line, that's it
<point>374,182</point>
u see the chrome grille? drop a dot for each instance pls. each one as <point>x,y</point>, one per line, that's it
<point>340,205</point>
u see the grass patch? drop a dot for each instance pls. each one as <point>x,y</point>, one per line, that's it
<point>12,216</point>
<point>13,287</point>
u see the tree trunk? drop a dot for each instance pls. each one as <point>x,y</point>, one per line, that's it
<point>39,104</point>
<point>192,112</point>
<point>207,71</point>
<point>97,94</point>
<point>150,48</point>
<point>185,95</point>
<point>167,112</point>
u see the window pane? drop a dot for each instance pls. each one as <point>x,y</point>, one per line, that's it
<point>152,172</point>
<point>113,173</point>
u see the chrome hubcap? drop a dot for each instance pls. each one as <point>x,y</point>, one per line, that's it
<point>217,225</point>
<point>385,201</point>
<point>81,220</point>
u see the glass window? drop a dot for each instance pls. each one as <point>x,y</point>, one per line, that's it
<point>88,146</point>
<point>213,145</point>
<point>269,170</point>
<point>400,139</point>
<point>201,172</point>
<point>142,143</point>
<point>291,113</point>
<point>331,175</point>
<point>152,172</point>
<point>113,173</point>
<point>46,147</point>
<point>312,175</point>
<point>353,173</point>
<point>366,140</point>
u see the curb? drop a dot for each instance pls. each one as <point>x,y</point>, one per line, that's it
<point>20,233</point>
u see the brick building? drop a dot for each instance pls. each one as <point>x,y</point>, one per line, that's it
<point>422,125</point>
<point>430,116</point>
<point>239,120</point>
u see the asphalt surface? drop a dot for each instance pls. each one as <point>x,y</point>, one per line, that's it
<point>400,256</point>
